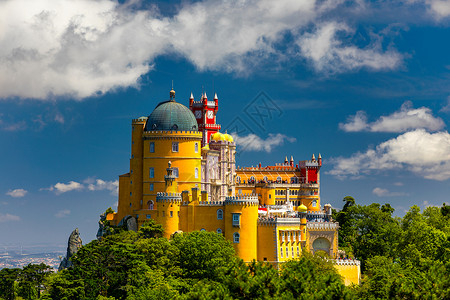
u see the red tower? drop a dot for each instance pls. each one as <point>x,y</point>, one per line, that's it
<point>205,113</point>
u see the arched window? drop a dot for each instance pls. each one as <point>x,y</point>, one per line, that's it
<point>314,203</point>
<point>252,178</point>
<point>196,148</point>
<point>219,214</point>
<point>219,231</point>
<point>150,204</point>
<point>203,229</point>
<point>278,179</point>
<point>196,173</point>
<point>236,238</point>
<point>265,179</point>
<point>238,179</point>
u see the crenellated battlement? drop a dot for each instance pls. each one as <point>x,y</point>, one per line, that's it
<point>138,120</point>
<point>245,199</point>
<point>168,197</point>
<point>346,262</point>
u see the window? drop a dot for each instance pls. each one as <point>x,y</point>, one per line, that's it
<point>149,216</point>
<point>163,213</point>
<point>196,173</point>
<point>151,187</point>
<point>288,236</point>
<point>152,147</point>
<point>240,191</point>
<point>171,214</point>
<point>174,146</point>
<point>150,204</point>
<point>270,196</point>
<point>278,179</point>
<point>237,219</point>
<point>175,172</point>
<point>152,173</point>
<point>287,252</point>
<point>238,179</point>
<point>203,229</point>
<point>265,178</point>
<point>252,178</point>
<point>219,231</point>
<point>282,237</point>
<point>293,236</point>
<point>298,251</point>
<point>314,203</point>
<point>196,147</point>
<point>131,193</point>
<point>140,202</point>
<point>281,252</point>
<point>219,214</point>
<point>236,238</point>
<point>292,248</point>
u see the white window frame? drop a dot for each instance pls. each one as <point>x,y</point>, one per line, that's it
<point>196,147</point>
<point>196,173</point>
<point>236,238</point>
<point>314,203</point>
<point>236,219</point>
<point>175,147</point>
<point>175,172</point>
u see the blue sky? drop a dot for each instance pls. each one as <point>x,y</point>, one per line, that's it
<point>364,83</point>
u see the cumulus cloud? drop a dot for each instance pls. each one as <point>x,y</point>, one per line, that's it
<point>423,153</point>
<point>439,9</point>
<point>101,185</point>
<point>61,188</point>
<point>405,119</point>
<point>380,192</point>
<point>328,53</point>
<point>252,142</point>
<point>84,48</point>
<point>8,218</point>
<point>91,184</point>
<point>62,213</point>
<point>17,193</point>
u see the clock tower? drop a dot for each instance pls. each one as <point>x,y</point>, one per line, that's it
<point>205,113</point>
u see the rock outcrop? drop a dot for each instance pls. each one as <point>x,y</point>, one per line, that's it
<point>73,245</point>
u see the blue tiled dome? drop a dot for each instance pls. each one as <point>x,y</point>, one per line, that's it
<point>170,115</point>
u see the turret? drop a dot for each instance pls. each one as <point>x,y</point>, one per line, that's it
<point>191,101</point>
<point>292,161</point>
<point>320,160</point>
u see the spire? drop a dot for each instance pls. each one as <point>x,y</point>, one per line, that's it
<point>192,96</point>
<point>320,156</point>
<point>285,160</point>
<point>292,158</point>
<point>172,93</point>
<point>205,96</point>
<point>313,157</point>
<point>215,96</point>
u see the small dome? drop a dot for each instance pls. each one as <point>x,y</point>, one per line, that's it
<point>170,115</point>
<point>302,208</point>
<point>228,137</point>
<point>217,137</point>
<point>206,147</point>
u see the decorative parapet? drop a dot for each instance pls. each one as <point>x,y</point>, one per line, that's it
<point>346,262</point>
<point>168,197</point>
<point>210,203</point>
<point>246,199</point>
<point>322,225</point>
<point>138,120</point>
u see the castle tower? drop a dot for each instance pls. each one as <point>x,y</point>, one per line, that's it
<point>205,113</point>
<point>241,214</point>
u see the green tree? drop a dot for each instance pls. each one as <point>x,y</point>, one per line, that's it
<point>8,278</point>
<point>64,286</point>
<point>31,279</point>
<point>150,230</point>
<point>311,277</point>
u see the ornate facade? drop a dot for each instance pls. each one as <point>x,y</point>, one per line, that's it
<point>183,175</point>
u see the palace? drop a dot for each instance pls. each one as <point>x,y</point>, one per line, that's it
<point>183,175</point>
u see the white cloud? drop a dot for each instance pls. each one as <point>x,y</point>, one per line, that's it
<point>425,154</point>
<point>446,108</point>
<point>328,53</point>
<point>439,9</point>
<point>405,119</point>
<point>8,218</point>
<point>62,213</point>
<point>380,192</point>
<point>61,188</point>
<point>252,142</point>
<point>90,184</point>
<point>101,185</point>
<point>17,193</point>
<point>83,48</point>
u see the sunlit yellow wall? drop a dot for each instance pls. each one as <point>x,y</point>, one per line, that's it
<point>246,248</point>
<point>267,242</point>
<point>289,244</point>
<point>123,208</point>
<point>168,216</point>
<point>350,273</point>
